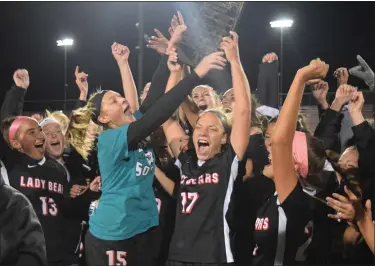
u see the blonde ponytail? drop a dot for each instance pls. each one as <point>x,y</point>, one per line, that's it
<point>77,131</point>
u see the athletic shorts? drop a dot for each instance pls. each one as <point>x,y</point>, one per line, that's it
<point>129,252</point>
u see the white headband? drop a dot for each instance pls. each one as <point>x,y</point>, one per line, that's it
<point>47,121</point>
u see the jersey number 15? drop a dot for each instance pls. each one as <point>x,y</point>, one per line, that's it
<point>188,196</point>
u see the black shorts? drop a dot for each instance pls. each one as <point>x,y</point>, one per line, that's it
<point>129,252</point>
<point>180,263</point>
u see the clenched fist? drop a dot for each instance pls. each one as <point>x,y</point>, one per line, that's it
<point>21,78</point>
<point>269,58</point>
<point>120,53</point>
<point>342,75</point>
<point>317,69</point>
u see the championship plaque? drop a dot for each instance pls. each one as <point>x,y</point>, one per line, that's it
<point>208,23</point>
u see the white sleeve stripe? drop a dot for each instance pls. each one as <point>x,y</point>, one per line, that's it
<point>228,195</point>
<point>281,237</point>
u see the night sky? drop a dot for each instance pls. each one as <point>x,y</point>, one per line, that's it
<point>334,31</point>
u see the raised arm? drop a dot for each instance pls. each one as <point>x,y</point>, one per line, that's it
<point>329,125</point>
<point>319,89</point>
<point>161,75</point>
<point>83,86</point>
<point>14,98</point>
<point>175,69</point>
<point>121,54</point>
<point>172,130</point>
<point>242,109</point>
<point>282,139</point>
<point>364,136</point>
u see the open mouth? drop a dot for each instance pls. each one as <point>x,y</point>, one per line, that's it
<point>269,161</point>
<point>203,146</point>
<point>39,146</point>
<point>54,144</point>
<point>202,106</point>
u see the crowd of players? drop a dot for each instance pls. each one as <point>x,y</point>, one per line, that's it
<point>186,177</point>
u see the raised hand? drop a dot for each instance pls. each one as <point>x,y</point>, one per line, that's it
<point>178,28</point>
<point>317,69</point>
<point>342,75</point>
<point>81,81</point>
<point>172,61</point>
<point>159,43</point>
<point>230,47</point>
<point>209,62</point>
<point>270,58</point>
<point>21,78</point>
<point>364,72</point>
<point>120,53</point>
<point>344,94</point>
<point>319,90</point>
<point>356,103</point>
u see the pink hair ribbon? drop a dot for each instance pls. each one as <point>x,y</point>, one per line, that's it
<point>300,154</point>
<point>16,124</point>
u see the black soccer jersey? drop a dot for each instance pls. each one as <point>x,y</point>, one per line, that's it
<point>43,183</point>
<point>283,232</point>
<point>203,219</point>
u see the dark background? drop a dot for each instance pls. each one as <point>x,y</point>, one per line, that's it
<point>334,31</point>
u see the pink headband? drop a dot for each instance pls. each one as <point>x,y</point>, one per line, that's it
<point>15,126</point>
<point>300,153</point>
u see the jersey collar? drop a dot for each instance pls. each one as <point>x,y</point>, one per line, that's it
<point>31,163</point>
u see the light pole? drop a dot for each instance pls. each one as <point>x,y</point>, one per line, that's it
<point>281,24</point>
<point>65,43</point>
<point>140,48</point>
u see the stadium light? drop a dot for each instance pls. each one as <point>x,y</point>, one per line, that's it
<point>65,42</point>
<point>282,23</point>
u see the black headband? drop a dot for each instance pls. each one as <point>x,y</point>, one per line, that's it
<point>223,118</point>
<point>97,105</point>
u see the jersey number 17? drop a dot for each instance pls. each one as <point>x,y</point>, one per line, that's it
<point>188,196</point>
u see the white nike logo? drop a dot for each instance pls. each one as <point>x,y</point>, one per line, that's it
<point>31,166</point>
<point>87,167</point>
